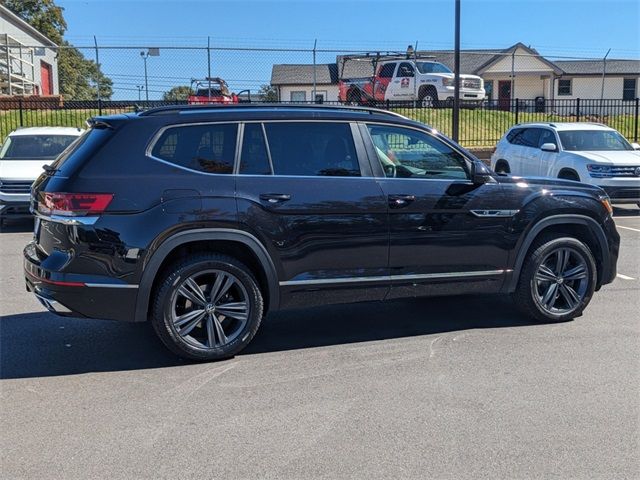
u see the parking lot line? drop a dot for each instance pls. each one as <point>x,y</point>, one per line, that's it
<point>624,277</point>
<point>628,228</point>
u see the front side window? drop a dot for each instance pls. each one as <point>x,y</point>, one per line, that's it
<point>35,147</point>
<point>405,70</point>
<point>312,149</point>
<point>629,88</point>
<point>530,137</point>
<point>206,148</point>
<point>593,140</point>
<point>564,87</point>
<point>407,153</point>
<point>547,136</point>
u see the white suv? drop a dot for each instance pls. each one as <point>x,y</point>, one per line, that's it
<point>22,156</point>
<point>584,152</point>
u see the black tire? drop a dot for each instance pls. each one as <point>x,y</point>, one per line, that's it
<point>428,98</point>
<point>166,302</point>
<point>526,295</point>
<point>502,167</point>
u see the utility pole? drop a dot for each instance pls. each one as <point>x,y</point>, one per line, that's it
<point>140,88</point>
<point>455,117</point>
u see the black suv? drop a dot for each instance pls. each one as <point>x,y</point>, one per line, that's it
<point>201,219</point>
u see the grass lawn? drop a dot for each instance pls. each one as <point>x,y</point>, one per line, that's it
<point>478,128</point>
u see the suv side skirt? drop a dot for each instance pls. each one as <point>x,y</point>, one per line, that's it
<point>181,238</point>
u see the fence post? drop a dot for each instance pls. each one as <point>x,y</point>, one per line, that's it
<point>20,107</point>
<point>577,109</point>
<point>95,43</point>
<point>635,122</point>
<point>517,109</point>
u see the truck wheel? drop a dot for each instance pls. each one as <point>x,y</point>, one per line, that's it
<point>207,307</point>
<point>557,280</point>
<point>429,98</point>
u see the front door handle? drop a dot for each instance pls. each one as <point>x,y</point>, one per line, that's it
<point>275,197</point>
<point>401,200</point>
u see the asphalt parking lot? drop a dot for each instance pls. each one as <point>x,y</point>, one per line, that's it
<point>430,388</point>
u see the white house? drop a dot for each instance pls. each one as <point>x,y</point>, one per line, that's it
<point>295,83</point>
<point>28,64</point>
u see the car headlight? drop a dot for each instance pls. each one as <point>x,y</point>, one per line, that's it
<point>599,171</point>
<point>448,82</point>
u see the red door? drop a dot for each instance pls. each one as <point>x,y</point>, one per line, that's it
<point>46,78</point>
<point>504,94</point>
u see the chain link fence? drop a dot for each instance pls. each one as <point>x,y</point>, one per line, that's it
<point>517,84</point>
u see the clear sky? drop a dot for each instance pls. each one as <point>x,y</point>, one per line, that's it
<point>560,28</point>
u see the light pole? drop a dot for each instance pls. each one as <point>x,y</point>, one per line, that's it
<point>150,52</point>
<point>144,56</point>
<point>455,117</point>
<point>140,88</point>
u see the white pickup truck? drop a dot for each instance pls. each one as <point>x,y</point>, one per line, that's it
<point>430,83</point>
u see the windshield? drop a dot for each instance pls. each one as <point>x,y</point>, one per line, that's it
<point>35,147</point>
<point>432,67</point>
<point>593,140</point>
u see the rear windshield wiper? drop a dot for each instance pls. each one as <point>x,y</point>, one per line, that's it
<point>49,170</point>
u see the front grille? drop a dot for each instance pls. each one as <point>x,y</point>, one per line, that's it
<point>471,83</point>
<point>15,186</point>
<point>624,171</point>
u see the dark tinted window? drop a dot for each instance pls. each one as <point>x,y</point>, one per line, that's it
<point>312,148</point>
<point>564,87</point>
<point>405,70</point>
<point>386,71</point>
<point>512,136</point>
<point>530,137</point>
<point>207,148</point>
<point>254,159</point>
<point>547,136</point>
<point>408,153</point>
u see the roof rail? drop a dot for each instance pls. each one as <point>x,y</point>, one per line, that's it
<point>284,106</point>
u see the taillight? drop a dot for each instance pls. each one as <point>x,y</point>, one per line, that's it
<point>73,204</point>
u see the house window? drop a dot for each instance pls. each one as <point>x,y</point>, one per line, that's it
<point>629,88</point>
<point>564,87</point>
<point>299,96</point>
<point>321,96</point>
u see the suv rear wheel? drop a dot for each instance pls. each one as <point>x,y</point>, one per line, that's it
<point>557,280</point>
<point>208,307</point>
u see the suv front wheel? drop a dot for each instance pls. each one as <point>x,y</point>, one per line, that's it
<point>207,307</point>
<point>557,280</point>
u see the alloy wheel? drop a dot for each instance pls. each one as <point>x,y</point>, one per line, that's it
<point>561,281</point>
<point>210,309</point>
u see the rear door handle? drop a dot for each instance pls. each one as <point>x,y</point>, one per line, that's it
<point>400,200</point>
<point>275,197</point>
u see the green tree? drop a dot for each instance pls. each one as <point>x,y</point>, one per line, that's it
<point>268,93</point>
<point>78,77</point>
<point>180,92</point>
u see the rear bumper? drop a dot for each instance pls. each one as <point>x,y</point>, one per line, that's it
<point>14,209</point>
<point>78,295</point>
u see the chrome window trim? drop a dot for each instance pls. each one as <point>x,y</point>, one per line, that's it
<point>390,278</point>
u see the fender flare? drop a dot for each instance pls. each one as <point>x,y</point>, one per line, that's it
<point>181,238</point>
<point>575,219</point>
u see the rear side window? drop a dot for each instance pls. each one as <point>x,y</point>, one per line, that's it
<point>312,149</point>
<point>386,71</point>
<point>254,159</point>
<point>513,134</point>
<point>206,148</point>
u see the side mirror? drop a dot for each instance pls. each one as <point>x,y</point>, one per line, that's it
<point>549,147</point>
<point>480,173</point>
<point>636,146</point>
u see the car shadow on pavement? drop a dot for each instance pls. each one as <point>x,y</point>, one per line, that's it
<point>42,344</point>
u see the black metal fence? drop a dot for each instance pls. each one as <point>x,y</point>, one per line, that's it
<point>480,125</point>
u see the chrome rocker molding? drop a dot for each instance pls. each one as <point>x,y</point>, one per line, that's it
<point>494,213</point>
<point>390,278</point>
<point>110,285</point>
